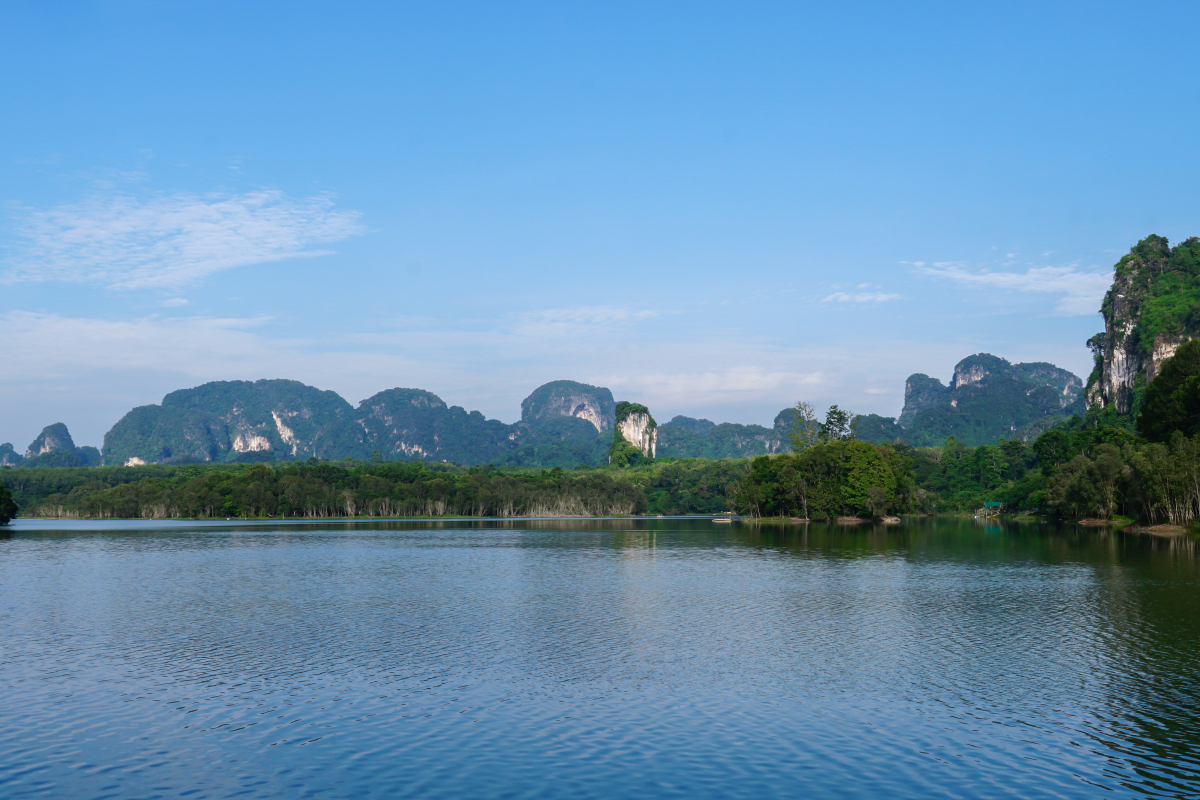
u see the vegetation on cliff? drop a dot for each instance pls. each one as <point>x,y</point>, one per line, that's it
<point>1172,400</point>
<point>622,452</point>
<point>1152,307</point>
<point>53,447</point>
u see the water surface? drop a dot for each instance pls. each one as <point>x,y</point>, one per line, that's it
<point>647,658</point>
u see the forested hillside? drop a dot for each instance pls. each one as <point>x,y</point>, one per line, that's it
<point>685,437</point>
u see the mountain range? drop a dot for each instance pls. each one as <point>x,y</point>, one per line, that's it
<point>563,423</point>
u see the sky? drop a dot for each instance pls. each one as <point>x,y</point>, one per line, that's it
<point>714,209</point>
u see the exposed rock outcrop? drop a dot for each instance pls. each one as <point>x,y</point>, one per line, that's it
<point>593,404</point>
<point>1163,348</point>
<point>53,439</point>
<point>1150,310</point>
<point>54,447</point>
<point>228,421</point>
<point>9,457</point>
<point>638,429</point>
<point>636,434</point>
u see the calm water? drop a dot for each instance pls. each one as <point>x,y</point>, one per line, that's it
<point>639,658</point>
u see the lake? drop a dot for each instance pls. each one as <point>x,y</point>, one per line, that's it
<point>596,658</point>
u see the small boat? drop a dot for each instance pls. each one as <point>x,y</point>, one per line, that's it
<point>722,519</point>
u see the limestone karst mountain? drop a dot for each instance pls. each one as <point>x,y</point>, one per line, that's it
<point>592,404</point>
<point>53,447</point>
<point>228,421</point>
<point>1151,309</point>
<point>412,423</point>
<point>9,457</point>
<point>988,399</point>
<point>53,439</point>
<point>635,436</point>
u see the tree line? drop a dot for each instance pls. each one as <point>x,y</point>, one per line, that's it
<point>316,489</point>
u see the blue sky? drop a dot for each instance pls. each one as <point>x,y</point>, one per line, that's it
<point>715,209</point>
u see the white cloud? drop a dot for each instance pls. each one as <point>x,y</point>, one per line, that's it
<point>1081,292</point>
<point>175,302</point>
<point>579,320</point>
<point>860,297</point>
<point>172,241</point>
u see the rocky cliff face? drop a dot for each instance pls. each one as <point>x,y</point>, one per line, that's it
<point>53,447</point>
<point>976,369</point>
<point>636,434</point>
<point>1119,358</point>
<point>638,429</point>
<point>9,457</point>
<point>921,391</point>
<point>227,421</point>
<point>592,404</point>
<point>1151,309</point>
<point>53,439</point>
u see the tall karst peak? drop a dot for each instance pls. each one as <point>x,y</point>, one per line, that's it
<point>9,457</point>
<point>978,368</point>
<point>920,391</point>
<point>1151,309</point>
<point>53,439</point>
<point>635,426</point>
<point>593,404</point>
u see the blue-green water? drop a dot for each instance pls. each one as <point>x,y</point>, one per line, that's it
<point>637,658</point>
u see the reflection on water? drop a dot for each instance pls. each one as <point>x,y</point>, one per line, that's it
<point>591,658</point>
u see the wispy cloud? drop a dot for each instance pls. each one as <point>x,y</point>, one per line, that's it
<point>1081,291</point>
<point>586,320</point>
<point>121,242</point>
<point>860,297</point>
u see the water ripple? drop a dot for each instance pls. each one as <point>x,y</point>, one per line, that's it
<point>595,658</point>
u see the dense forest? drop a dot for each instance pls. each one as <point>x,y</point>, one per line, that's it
<point>316,489</point>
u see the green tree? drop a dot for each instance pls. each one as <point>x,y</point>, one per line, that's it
<point>8,507</point>
<point>1172,401</point>
<point>1052,448</point>
<point>865,468</point>
<point>838,425</point>
<point>806,428</point>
